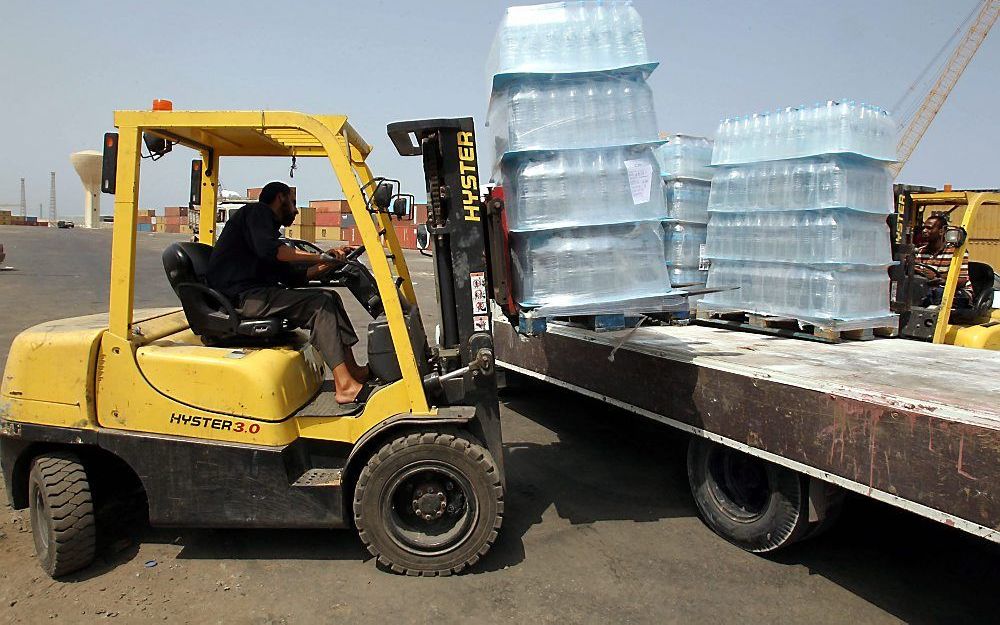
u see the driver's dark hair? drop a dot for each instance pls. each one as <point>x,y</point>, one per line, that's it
<point>271,190</point>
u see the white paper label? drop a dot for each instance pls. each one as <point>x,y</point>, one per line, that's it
<point>703,263</point>
<point>640,180</point>
<point>477,281</point>
<point>480,323</point>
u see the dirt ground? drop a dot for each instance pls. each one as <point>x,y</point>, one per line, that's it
<point>600,526</point>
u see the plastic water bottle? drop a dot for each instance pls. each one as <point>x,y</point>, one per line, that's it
<point>637,41</point>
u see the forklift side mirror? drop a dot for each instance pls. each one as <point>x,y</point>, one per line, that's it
<point>400,207</point>
<point>423,237</point>
<point>955,236</point>
<point>383,195</point>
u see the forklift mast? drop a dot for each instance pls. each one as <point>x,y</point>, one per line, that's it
<point>455,222</point>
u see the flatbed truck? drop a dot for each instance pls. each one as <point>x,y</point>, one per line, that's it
<point>781,428</point>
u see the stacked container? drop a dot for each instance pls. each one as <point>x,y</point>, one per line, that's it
<point>798,209</point>
<point>573,129</point>
<point>687,178</point>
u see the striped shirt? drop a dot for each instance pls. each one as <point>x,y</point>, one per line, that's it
<point>941,261</point>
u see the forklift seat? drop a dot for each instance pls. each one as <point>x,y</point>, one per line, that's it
<point>981,279</point>
<point>209,313</point>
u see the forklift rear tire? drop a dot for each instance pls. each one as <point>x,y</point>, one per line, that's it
<point>429,503</point>
<point>62,513</point>
<point>754,504</point>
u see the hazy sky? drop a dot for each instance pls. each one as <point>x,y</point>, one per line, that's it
<point>67,65</point>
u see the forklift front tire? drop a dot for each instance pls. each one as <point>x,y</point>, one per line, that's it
<point>429,503</point>
<point>62,513</point>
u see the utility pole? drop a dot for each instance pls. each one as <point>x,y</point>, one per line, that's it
<point>24,206</point>
<point>52,197</point>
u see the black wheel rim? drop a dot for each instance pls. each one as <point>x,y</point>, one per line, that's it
<point>739,484</point>
<point>429,508</point>
<point>40,523</point>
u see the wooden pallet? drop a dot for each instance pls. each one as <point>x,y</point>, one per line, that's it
<point>533,326</point>
<point>791,328</point>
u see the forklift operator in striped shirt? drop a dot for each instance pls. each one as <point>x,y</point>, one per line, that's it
<point>933,260</point>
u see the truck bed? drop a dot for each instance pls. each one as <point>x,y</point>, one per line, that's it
<point>913,424</point>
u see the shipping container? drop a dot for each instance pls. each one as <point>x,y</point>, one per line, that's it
<point>172,228</point>
<point>350,235</point>
<point>329,219</point>
<point>420,213</point>
<point>160,227</point>
<point>144,227</point>
<point>176,211</point>
<point>328,233</point>
<point>306,217</point>
<point>330,206</point>
<point>347,221</point>
<point>407,236</point>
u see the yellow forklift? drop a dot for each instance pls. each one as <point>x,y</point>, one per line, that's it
<point>978,324</point>
<point>228,422</point>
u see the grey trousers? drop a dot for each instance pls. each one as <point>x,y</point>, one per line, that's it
<point>319,310</point>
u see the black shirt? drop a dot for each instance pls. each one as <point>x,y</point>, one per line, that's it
<point>245,256</point>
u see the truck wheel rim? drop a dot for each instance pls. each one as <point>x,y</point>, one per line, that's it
<point>739,484</point>
<point>429,508</point>
<point>40,523</point>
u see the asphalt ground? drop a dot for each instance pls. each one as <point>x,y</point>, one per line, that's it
<point>599,524</point>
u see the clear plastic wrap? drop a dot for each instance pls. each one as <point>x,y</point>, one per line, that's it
<point>832,127</point>
<point>566,188</point>
<point>685,252</point>
<point>687,200</point>
<point>685,156</point>
<point>810,236</point>
<point>591,270</point>
<point>824,293</point>
<point>568,37</point>
<point>829,181</point>
<point>549,112</point>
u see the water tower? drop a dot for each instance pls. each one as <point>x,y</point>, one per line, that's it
<point>88,165</point>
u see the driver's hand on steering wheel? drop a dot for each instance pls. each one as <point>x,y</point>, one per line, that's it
<point>340,253</point>
<point>926,272</point>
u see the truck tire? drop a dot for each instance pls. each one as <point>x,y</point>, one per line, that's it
<point>754,504</point>
<point>429,503</point>
<point>62,513</point>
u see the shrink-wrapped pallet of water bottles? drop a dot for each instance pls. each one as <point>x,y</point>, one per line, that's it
<point>798,208</point>
<point>573,128</point>
<point>687,178</point>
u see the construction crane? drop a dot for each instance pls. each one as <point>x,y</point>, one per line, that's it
<point>913,127</point>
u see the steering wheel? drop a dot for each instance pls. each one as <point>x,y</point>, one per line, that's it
<point>347,263</point>
<point>358,251</point>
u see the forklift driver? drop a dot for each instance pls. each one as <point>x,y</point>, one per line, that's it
<point>249,265</point>
<point>933,260</point>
